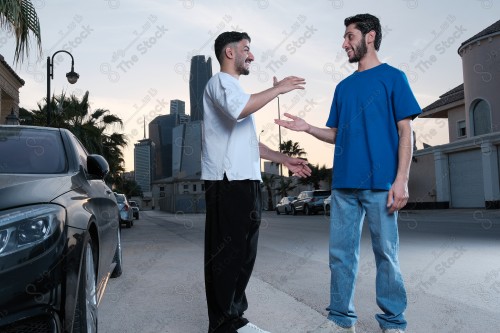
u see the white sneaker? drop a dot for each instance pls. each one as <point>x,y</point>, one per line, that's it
<point>330,327</point>
<point>251,328</point>
<point>393,330</point>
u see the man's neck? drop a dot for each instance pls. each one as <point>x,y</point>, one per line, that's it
<point>230,70</point>
<point>369,61</point>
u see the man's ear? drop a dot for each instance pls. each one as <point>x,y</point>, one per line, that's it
<point>229,52</point>
<point>370,36</point>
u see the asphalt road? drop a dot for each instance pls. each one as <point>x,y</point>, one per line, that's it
<point>450,261</point>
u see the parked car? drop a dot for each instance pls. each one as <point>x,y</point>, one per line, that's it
<point>59,231</point>
<point>309,202</point>
<point>135,208</point>
<point>326,205</point>
<point>284,206</point>
<point>126,213</point>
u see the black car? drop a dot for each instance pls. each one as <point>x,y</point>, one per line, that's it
<point>59,231</point>
<point>310,202</point>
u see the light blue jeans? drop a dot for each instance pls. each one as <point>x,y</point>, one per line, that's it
<point>348,210</point>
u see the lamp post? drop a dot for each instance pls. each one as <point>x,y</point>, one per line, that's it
<point>71,76</point>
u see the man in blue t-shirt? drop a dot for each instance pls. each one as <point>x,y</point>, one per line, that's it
<point>370,125</point>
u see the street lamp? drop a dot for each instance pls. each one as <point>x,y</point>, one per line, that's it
<point>12,119</point>
<point>71,76</point>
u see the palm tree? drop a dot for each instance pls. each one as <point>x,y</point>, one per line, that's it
<point>284,186</point>
<point>20,18</point>
<point>292,149</point>
<point>268,182</point>
<point>318,174</point>
<point>90,127</point>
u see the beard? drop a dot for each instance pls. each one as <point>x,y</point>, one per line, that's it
<point>359,51</point>
<point>240,66</point>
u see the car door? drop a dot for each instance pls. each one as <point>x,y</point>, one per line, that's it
<point>101,203</point>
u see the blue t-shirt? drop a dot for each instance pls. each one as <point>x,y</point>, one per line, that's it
<point>365,110</point>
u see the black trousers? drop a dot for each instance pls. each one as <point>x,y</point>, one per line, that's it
<point>231,236</point>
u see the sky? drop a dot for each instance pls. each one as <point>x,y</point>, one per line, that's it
<point>133,56</point>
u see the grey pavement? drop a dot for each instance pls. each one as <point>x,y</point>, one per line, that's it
<point>450,260</point>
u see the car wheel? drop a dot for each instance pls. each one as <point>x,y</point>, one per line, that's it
<point>327,212</point>
<point>118,258</point>
<point>286,211</point>
<point>85,320</point>
<point>307,210</point>
<point>277,211</point>
<point>137,216</point>
<point>132,222</point>
<point>128,224</point>
<point>294,211</point>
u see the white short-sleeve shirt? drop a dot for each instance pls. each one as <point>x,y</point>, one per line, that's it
<point>229,145</point>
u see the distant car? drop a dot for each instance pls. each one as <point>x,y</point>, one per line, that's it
<point>59,231</point>
<point>284,206</point>
<point>126,213</point>
<point>309,202</point>
<point>135,208</point>
<point>326,205</point>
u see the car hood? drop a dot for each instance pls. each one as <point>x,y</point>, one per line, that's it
<point>21,190</point>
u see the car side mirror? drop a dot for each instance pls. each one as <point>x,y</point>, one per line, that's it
<point>97,166</point>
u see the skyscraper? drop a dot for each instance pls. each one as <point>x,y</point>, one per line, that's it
<point>144,166</point>
<point>177,106</point>
<point>161,132</point>
<point>201,72</point>
<point>186,150</point>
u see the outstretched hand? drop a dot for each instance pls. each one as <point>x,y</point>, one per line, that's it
<point>289,83</point>
<point>296,124</point>
<point>298,167</point>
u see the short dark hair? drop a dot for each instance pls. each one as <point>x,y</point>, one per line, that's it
<point>366,23</point>
<point>226,38</point>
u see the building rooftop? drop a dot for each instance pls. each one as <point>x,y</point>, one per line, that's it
<point>491,30</point>
<point>451,96</point>
<point>6,65</point>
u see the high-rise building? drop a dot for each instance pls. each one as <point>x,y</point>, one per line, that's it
<point>186,151</point>
<point>144,164</point>
<point>201,72</point>
<point>177,106</point>
<point>161,132</point>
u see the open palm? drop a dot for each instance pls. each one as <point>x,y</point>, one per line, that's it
<point>296,124</point>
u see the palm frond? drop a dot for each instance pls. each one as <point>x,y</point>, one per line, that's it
<point>19,17</point>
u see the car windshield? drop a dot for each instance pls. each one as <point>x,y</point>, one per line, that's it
<point>31,151</point>
<point>120,198</point>
<point>321,193</point>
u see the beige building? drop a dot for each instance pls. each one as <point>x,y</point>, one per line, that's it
<point>10,83</point>
<point>465,172</point>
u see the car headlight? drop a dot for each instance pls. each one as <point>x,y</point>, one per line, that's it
<point>30,227</point>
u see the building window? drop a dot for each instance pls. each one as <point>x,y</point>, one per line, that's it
<point>194,187</point>
<point>203,187</point>
<point>462,132</point>
<point>481,117</point>
<point>186,186</point>
<point>162,188</point>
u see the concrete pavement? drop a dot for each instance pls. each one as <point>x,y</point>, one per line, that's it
<point>450,260</point>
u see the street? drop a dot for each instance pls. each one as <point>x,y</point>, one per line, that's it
<point>450,260</point>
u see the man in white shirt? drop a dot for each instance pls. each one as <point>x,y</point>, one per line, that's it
<point>231,170</point>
